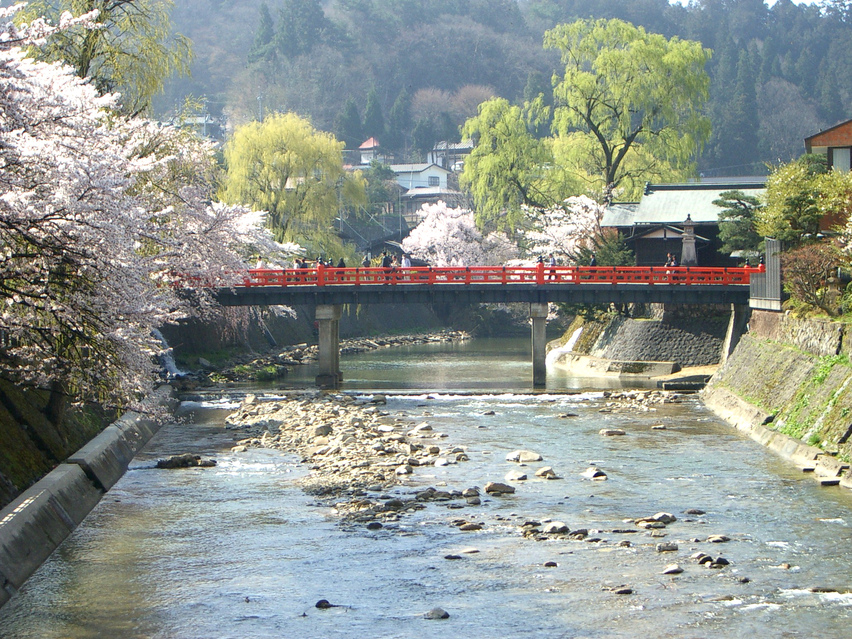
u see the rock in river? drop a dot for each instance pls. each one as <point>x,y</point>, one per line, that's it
<point>497,488</point>
<point>523,456</point>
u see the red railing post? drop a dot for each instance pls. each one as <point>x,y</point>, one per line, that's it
<point>320,274</point>
<point>539,273</point>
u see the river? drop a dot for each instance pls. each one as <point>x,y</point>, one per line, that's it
<point>239,550</point>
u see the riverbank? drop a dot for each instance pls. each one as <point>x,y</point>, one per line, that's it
<point>34,523</point>
<point>788,385</point>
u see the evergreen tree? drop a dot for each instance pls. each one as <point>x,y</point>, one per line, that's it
<point>424,135</point>
<point>399,121</point>
<point>744,107</point>
<point>374,121</point>
<point>349,127</point>
<point>263,47</point>
<point>300,27</point>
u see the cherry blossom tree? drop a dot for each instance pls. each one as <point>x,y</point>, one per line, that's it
<point>99,216</point>
<point>566,229</point>
<point>450,237</point>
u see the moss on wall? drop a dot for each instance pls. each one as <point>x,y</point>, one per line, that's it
<point>810,396</point>
<point>30,445</point>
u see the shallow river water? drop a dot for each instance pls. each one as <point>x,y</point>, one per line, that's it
<point>240,551</point>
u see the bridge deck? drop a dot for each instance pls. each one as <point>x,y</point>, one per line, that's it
<point>482,284</point>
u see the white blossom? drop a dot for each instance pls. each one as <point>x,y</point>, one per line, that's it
<point>103,222</point>
<point>563,229</point>
<point>449,237</point>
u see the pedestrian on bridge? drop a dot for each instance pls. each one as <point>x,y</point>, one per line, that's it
<point>551,262</point>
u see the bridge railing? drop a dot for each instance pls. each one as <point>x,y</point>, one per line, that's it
<point>499,275</point>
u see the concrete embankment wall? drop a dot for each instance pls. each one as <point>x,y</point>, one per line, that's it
<point>40,518</point>
<point>663,340</point>
<point>788,384</point>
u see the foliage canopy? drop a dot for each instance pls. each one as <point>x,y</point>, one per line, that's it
<point>133,51</point>
<point>629,104</point>
<point>294,172</point>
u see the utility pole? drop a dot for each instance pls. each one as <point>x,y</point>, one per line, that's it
<point>260,107</point>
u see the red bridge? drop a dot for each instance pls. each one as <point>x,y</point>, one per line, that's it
<point>492,284</point>
<point>326,288</point>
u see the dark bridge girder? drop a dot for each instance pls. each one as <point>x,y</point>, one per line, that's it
<point>484,293</point>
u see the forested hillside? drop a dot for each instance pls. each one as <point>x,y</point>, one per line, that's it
<point>411,71</point>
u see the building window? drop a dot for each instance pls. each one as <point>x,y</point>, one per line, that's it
<point>434,180</point>
<point>840,159</point>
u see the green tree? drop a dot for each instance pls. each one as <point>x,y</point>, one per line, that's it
<point>348,125</point>
<point>399,120</point>
<point>263,47</point>
<point>737,221</point>
<point>133,53</point>
<point>629,105</point>
<point>792,212</point>
<point>294,172</point>
<point>381,186</point>
<point>374,121</point>
<point>424,136</point>
<point>508,168</point>
<point>301,24</point>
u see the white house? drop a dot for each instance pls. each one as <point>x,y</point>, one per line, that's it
<point>413,176</point>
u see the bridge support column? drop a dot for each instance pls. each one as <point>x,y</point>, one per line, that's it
<point>538,315</point>
<point>328,320</point>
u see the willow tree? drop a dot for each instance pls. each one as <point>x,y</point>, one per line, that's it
<point>133,51</point>
<point>508,168</point>
<point>628,106</point>
<point>294,172</point>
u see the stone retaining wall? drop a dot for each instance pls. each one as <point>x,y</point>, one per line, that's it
<point>784,386</point>
<point>34,524</point>
<point>688,341</point>
<point>820,337</point>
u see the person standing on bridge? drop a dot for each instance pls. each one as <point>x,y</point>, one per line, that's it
<point>551,262</point>
<point>366,262</point>
<point>406,260</point>
<point>341,263</point>
<point>386,263</point>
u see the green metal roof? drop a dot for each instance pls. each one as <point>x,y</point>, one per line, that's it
<point>671,203</point>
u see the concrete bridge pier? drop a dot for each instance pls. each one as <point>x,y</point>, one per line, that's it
<point>328,320</point>
<point>538,315</point>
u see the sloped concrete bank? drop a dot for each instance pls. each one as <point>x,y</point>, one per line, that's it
<point>788,385</point>
<point>34,524</point>
<point>657,341</point>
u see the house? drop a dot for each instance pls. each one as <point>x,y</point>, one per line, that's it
<point>834,143</point>
<point>425,183</point>
<point>450,155</point>
<point>204,125</point>
<point>371,150</point>
<point>655,225</point>
<point>414,176</point>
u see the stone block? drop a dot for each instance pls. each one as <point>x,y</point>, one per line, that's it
<point>828,466</point>
<point>106,457</point>
<point>72,491</point>
<point>31,528</point>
